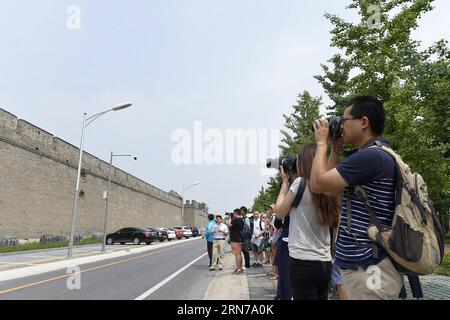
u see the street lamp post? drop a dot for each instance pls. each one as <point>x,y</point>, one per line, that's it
<point>182,196</point>
<point>86,123</point>
<point>108,192</point>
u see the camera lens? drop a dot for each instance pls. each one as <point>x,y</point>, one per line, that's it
<point>273,163</point>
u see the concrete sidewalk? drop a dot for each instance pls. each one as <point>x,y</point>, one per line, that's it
<point>254,284</point>
<point>226,285</point>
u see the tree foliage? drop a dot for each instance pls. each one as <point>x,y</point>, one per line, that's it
<point>378,57</point>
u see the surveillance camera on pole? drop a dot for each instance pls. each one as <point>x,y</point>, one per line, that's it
<point>105,221</point>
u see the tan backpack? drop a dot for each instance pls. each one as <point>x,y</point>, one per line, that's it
<point>415,240</point>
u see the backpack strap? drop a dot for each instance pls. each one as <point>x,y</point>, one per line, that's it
<point>348,228</point>
<point>378,144</point>
<point>362,195</point>
<point>400,184</point>
<point>348,195</point>
<point>300,193</point>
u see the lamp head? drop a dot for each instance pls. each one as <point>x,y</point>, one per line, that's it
<point>121,106</point>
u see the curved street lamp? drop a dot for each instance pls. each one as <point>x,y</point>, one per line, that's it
<point>86,123</point>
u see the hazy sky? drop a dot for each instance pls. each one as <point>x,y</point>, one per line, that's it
<point>229,64</point>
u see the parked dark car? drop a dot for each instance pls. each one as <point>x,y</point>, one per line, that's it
<point>161,234</point>
<point>195,231</point>
<point>134,235</point>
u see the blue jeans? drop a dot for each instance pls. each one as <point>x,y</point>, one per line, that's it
<point>283,286</point>
<point>336,278</point>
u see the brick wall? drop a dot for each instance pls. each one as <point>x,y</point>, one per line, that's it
<point>37,183</point>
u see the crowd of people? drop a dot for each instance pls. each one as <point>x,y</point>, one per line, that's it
<point>322,239</point>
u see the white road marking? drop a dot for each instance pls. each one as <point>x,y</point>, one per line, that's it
<point>165,281</point>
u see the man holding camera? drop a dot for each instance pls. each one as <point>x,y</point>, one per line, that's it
<point>367,271</point>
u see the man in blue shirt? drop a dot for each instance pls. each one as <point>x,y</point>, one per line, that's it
<point>209,237</point>
<point>367,271</point>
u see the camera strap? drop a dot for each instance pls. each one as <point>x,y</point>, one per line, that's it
<point>300,192</point>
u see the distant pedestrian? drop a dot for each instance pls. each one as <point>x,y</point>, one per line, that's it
<point>236,225</point>
<point>220,233</point>
<point>246,242</point>
<point>266,239</point>
<point>282,260</point>
<point>209,237</point>
<point>274,236</point>
<point>257,239</point>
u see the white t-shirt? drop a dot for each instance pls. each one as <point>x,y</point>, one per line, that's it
<point>308,239</point>
<point>220,231</point>
<point>257,228</point>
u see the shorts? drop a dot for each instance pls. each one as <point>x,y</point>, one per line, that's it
<point>236,248</point>
<point>390,282</point>
<point>256,248</point>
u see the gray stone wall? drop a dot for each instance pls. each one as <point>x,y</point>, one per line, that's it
<point>194,214</point>
<point>37,183</point>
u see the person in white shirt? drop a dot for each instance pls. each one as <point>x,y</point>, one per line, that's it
<point>258,235</point>
<point>309,231</point>
<point>220,233</point>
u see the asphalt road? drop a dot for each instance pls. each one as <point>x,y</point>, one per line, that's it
<point>29,258</point>
<point>156,274</point>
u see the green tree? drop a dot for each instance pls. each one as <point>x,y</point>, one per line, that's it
<point>378,57</point>
<point>298,132</point>
<point>414,84</point>
<point>261,200</point>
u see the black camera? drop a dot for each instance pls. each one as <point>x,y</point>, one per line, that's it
<point>335,124</point>
<point>289,164</point>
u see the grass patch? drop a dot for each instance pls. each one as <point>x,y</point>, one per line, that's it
<point>444,269</point>
<point>40,246</point>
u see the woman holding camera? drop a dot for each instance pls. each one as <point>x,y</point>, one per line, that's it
<point>236,225</point>
<point>309,231</point>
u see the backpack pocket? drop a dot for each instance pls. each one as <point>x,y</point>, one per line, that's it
<point>406,242</point>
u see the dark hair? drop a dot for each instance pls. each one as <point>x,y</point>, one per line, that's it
<point>219,216</point>
<point>370,107</point>
<point>237,211</point>
<point>210,216</point>
<point>328,208</point>
<point>244,209</point>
